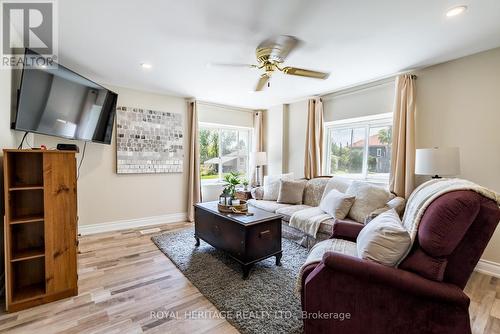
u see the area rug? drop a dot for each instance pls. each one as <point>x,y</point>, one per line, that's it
<point>264,303</point>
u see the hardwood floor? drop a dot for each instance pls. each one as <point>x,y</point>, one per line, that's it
<point>123,277</point>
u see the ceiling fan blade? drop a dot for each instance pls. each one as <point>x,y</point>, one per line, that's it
<point>305,73</point>
<point>277,48</point>
<point>232,65</point>
<point>264,79</point>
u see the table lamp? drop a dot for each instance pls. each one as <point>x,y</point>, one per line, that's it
<point>437,161</point>
<point>259,159</point>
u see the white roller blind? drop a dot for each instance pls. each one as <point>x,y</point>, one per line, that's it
<point>224,115</point>
<point>358,103</point>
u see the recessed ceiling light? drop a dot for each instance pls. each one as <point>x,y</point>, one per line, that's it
<point>146,65</point>
<point>456,10</point>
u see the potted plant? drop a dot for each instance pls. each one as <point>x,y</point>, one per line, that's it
<point>245,184</point>
<point>232,180</point>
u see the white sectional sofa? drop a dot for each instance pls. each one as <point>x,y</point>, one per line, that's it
<point>313,193</point>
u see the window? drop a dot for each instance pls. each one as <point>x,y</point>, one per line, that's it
<point>360,148</point>
<point>223,149</point>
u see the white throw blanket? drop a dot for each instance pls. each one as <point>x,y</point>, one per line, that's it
<point>427,192</point>
<point>308,220</point>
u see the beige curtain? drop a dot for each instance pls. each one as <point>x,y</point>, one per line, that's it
<point>314,139</point>
<point>402,180</point>
<point>194,184</point>
<point>258,142</point>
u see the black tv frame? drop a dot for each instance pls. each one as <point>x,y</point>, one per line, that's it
<point>110,122</point>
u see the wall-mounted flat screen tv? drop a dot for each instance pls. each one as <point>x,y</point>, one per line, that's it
<point>59,102</point>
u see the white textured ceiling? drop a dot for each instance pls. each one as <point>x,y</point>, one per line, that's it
<point>356,41</point>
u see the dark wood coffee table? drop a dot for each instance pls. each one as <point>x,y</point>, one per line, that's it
<point>247,239</point>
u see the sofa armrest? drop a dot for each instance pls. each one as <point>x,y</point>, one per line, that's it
<point>257,193</point>
<point>346,230</point>
<point>393,278</point>
<point>397,203</point>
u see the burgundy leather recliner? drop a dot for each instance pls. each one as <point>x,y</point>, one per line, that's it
<point>423,295</point>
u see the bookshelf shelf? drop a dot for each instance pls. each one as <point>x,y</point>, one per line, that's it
<point>40,227</point>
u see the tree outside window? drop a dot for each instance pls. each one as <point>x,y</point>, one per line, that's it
<point>223,150</point>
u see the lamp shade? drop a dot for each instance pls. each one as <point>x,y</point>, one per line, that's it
<point>258,158</point>
<point>442,161</point>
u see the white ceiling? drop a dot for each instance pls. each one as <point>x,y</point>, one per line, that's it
<point>108,39</point>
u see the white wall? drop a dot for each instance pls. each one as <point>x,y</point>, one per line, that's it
<point>295,125</point>
<point>274,138</point>
<point>8,137</point>
<point>104,196</point>
<point>458,104</point>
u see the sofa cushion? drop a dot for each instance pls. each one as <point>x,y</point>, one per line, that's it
<point>384,240</point>
<point>326,227</point>
<point>270,206</point>
<point>368,198</point>
<point>314,190</point>
<point>288,211</point>
<point>336,204</point>
<point>330,245</point>
<point>272,185</point>
<point>338,183</point>
<point>291,192</point>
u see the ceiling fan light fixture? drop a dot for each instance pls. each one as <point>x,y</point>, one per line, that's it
<point>457,10</point>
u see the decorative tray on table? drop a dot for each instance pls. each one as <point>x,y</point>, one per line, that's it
<point>238,208</point>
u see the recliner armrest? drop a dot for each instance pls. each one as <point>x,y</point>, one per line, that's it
<point>346,230</point>
<point>393,278</point>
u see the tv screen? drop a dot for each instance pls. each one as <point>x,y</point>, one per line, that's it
<point>61,103</point>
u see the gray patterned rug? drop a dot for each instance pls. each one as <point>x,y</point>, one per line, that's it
<point>264,303</point>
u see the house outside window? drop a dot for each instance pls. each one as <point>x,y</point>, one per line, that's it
<point>359,148</point>
<point>223,149</point>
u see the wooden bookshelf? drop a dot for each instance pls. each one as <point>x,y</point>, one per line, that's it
<point>40,227</point>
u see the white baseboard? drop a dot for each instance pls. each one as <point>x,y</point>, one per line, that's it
<point>132,223</point>
<point>488,267</point>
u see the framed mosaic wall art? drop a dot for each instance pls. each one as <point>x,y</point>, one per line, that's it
<point>148,141</point>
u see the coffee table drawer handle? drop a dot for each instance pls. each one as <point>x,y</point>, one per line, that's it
<point>264,233</point>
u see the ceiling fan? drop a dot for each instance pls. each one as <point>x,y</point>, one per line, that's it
<point>271,53</point>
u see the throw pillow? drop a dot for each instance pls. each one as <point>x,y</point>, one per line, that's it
<point>384,239</point>
<point>338,183</point>
<point>291,192</point>
<point>272,185</point>
<point>368,198</point>
<point>336,204</point>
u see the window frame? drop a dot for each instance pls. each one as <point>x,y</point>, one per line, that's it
<point>366,122</point>
<point>220,128</point>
